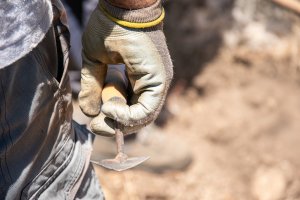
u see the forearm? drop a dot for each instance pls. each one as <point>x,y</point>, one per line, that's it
<point>132,4</point>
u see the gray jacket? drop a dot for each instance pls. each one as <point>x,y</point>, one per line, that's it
<point>43,153</point>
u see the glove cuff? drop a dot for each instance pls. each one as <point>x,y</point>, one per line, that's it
<point>138,18</point>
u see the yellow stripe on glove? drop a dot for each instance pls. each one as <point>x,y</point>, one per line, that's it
<point>135,25</point>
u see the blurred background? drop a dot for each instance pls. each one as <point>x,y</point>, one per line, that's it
<point>230,129</point>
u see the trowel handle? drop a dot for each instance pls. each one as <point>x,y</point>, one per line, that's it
<point>116,83</point>
<point>115,90</point>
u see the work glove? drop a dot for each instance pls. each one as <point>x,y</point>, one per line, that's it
<point>133,37</point>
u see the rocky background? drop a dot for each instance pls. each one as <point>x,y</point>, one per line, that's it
<point>235,100</point>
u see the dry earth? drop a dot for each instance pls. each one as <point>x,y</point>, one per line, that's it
<point>243,129</point>
<point>235,101</point>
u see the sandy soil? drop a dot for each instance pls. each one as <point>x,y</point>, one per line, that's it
<point>243,129</point>
<point>235,101</point>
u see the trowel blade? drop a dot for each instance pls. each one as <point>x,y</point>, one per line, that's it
<point>121,166</point>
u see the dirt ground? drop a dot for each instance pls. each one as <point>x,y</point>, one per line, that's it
<point>241,119</point>
<point>243,132</point>
<point>235,101</point>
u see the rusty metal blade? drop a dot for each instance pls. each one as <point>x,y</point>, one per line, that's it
<point>121,166</point>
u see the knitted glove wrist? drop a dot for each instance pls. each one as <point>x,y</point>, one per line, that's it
<point>138,18</point>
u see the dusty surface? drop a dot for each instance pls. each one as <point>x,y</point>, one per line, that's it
<point>244,132</point>
<point>240,115</point>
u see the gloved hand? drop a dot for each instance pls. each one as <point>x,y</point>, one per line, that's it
<point>135,38</point>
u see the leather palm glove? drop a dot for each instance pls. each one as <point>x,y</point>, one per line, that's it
<point>133,37</point>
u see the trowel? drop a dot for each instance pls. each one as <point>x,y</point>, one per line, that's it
<point>121,162</point>
<point>115,90</point>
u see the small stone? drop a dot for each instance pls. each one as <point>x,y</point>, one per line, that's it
<point>269,183</point>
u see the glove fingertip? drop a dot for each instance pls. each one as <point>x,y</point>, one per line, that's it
<point>114,110</point>
<point>102,125</point>
<point>89,110</point>
<point>89,106</point>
